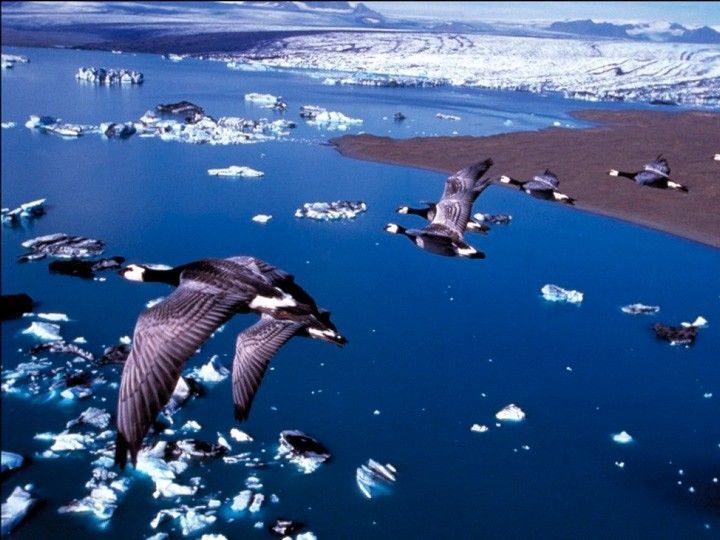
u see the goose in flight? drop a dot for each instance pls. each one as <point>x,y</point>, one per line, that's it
<point>208,293</point>
<point>444,234</point>
<point>542,186</point>
<point>655,174</point>
<point>430,211</point>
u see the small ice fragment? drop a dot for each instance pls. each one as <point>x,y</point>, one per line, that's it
<point>212,372</point>
<point>154,302</point>
<point>241,500</point>
<point>568,368</point>
<point>43,331</point>
<point>11,461</point>
<point>326,211</point>
<point>553,293</point>
<point>479,428</point>
<point>80,340</point>
<point>511,413</point>
<point>256,503</point>
<point>635,309</point>
<point>374,478</point>
<point>54,317</point>
<point>620,464</point>
<point>309,535</point>
<point>240,436</point>
<point>442,116</point>
<point>8,125</point>
<point>125,340</point>
<point>376,412</point>
<point>707,395</point>
<point>622,438</point>
<point>213,537</point>
<point>190,425</point>
<point>222,442</point>
<point>525,447</point>
<point>262,218</point>
<point>700,322</point>
<point>236,170</point>
<point>16,507</point>
<point>76,392</point>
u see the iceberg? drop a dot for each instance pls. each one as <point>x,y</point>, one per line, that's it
<point>262,218</point>
<point>636,309</point>
<point>267,101</point>
<point>326,211</point>
<point>11,461</point>
<point>330,120</point>
<point>7,125</point>
<point>16,508</point>
<point>115,354</point>
<point>240,436</point>
<point>62,246</point>
<point>242,500</point>
<point>302,450</point>
<point>511,413</point>
<point>29,210</point>
<point>374,479</point>
<point>553,293</point>
<point>236,170</point>
<point>43,331</point>
<point>442,116</point>
<point>699,322</point>
<point>191,519</point>
<point>211,372</point>
<point>494,219</point>
<point>109,76</point>
<point>479,428</point>
<point>256,503</point>
<point>53,317</point>
<point>9,60</point>
<point>622,438</point>
<point>92,416</point>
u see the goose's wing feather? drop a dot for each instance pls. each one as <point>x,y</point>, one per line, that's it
<point>465,179</point>
<point>253,350</point>
<point>648,178</point>
<point>165,336</point>
<point>659,166</point>
<point>548,179</point>
<point>461,190</point>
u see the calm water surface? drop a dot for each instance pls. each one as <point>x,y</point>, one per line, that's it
<point>436,344</point>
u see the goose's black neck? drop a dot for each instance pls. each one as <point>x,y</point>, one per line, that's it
<point>170,276</point>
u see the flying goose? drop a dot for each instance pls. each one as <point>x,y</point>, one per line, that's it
<point>444,234</point>
<point>542,186</point>
<point>208,293</point>
<point>429,213</point>
<point>655,174</point>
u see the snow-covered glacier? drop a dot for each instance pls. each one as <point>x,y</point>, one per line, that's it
<point>583,69</point>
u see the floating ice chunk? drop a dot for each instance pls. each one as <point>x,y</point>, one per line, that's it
<point>241,500</point>
<point>80,340</point>
<point>620,464</point>
<point>442,116</point>
<point>309,535</point>
<point>109,76</point>
<point>286,527</point>
<point>707,395</point>
<point>190,425</point>
<point>29,210</point>
<point>43,331</point>
<point>374,478</point>
<point>236,170</point>
<point>240,436</point>
<point>479,428</point>
<point>302,450</point>
<point>213,537</point>
<point>635,309</point>
<point>54,317</point>
<point>168,489</point>
<point>125,340</point>
<point>326,211</point>
<point>494,219</point>
<point>191,519</point>
<point>262,99</point>
<point>262,218</point>
<point>257,501</point>
<point>553,293</point>
<point>11,461</point>
<point>77,392</point>
<point>102,502</point>
<point>700,322</point>
<point>98,418</point>
<point>175,57</point>
<point>154,302</point>
<point>62,246</point>
<point>211,372</point>
<point>8,125</point>
<point>511,413</point>
<point>70,442</point>
<point>622,438</point>
<point>16,507</point>
<point>158,536</point>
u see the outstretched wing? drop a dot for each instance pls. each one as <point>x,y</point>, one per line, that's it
<point>548,180</point>
<point>461,190</point>
<point>253,350</point>
<point>165,336</point>
<point>659,166</point>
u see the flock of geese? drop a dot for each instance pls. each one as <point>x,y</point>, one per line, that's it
<point>210,292</point>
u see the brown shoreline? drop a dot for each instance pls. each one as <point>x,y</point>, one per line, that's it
<point>623,140</point>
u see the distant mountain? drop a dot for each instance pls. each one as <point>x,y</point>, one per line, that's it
<point>666,32</point>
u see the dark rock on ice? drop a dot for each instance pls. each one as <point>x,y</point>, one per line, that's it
<point>62,246</point>
<point>302,450</point>
<point>10,462</point>
<point>285,527</point>
<point>13,306</point>
<point>676,335</point>
<point>182,108</point>
<point>85,269</point>
<point>16,508</point>
<point>115,354</point>
<point>399,117</point>
<point>118,131</point>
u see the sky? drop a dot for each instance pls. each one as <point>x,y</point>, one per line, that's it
<point>686,13</point>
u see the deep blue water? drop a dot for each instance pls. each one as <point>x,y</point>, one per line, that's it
<point>436,344</point>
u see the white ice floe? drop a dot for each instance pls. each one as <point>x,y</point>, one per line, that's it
<point>191,519</point>
<point>329,120</point>
<point>302,450</point>
<point>266,101</point>
<point>262,218</point>
<point>620,464</point>
<point>68,442</point>
<point>635,309</point>
<point>109,76</point>
<point>326,211</point>
<point>553,293</point>
<point>16,507</point>
<point>28,210</point>
<point>7,125</point>
<point>126,340</point>
<point>9,60</point>
<point>622,438</point>
<point>240,436</point>
<point>211,372</point>
<point>442,116</point>
<point>374,478</point>
<point>256,503</point>
<point>80,340</point>
<point>242,500</point>
<point>479,428</point>
<point>511,413</point>
<point>236,170</point>
<point>11,461</point>
<point>308,535</point>
<point>699,322</point>
<point>43,331</point>
<point>54,317</point>
<point>190,425</point>
<point>97,418</point>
